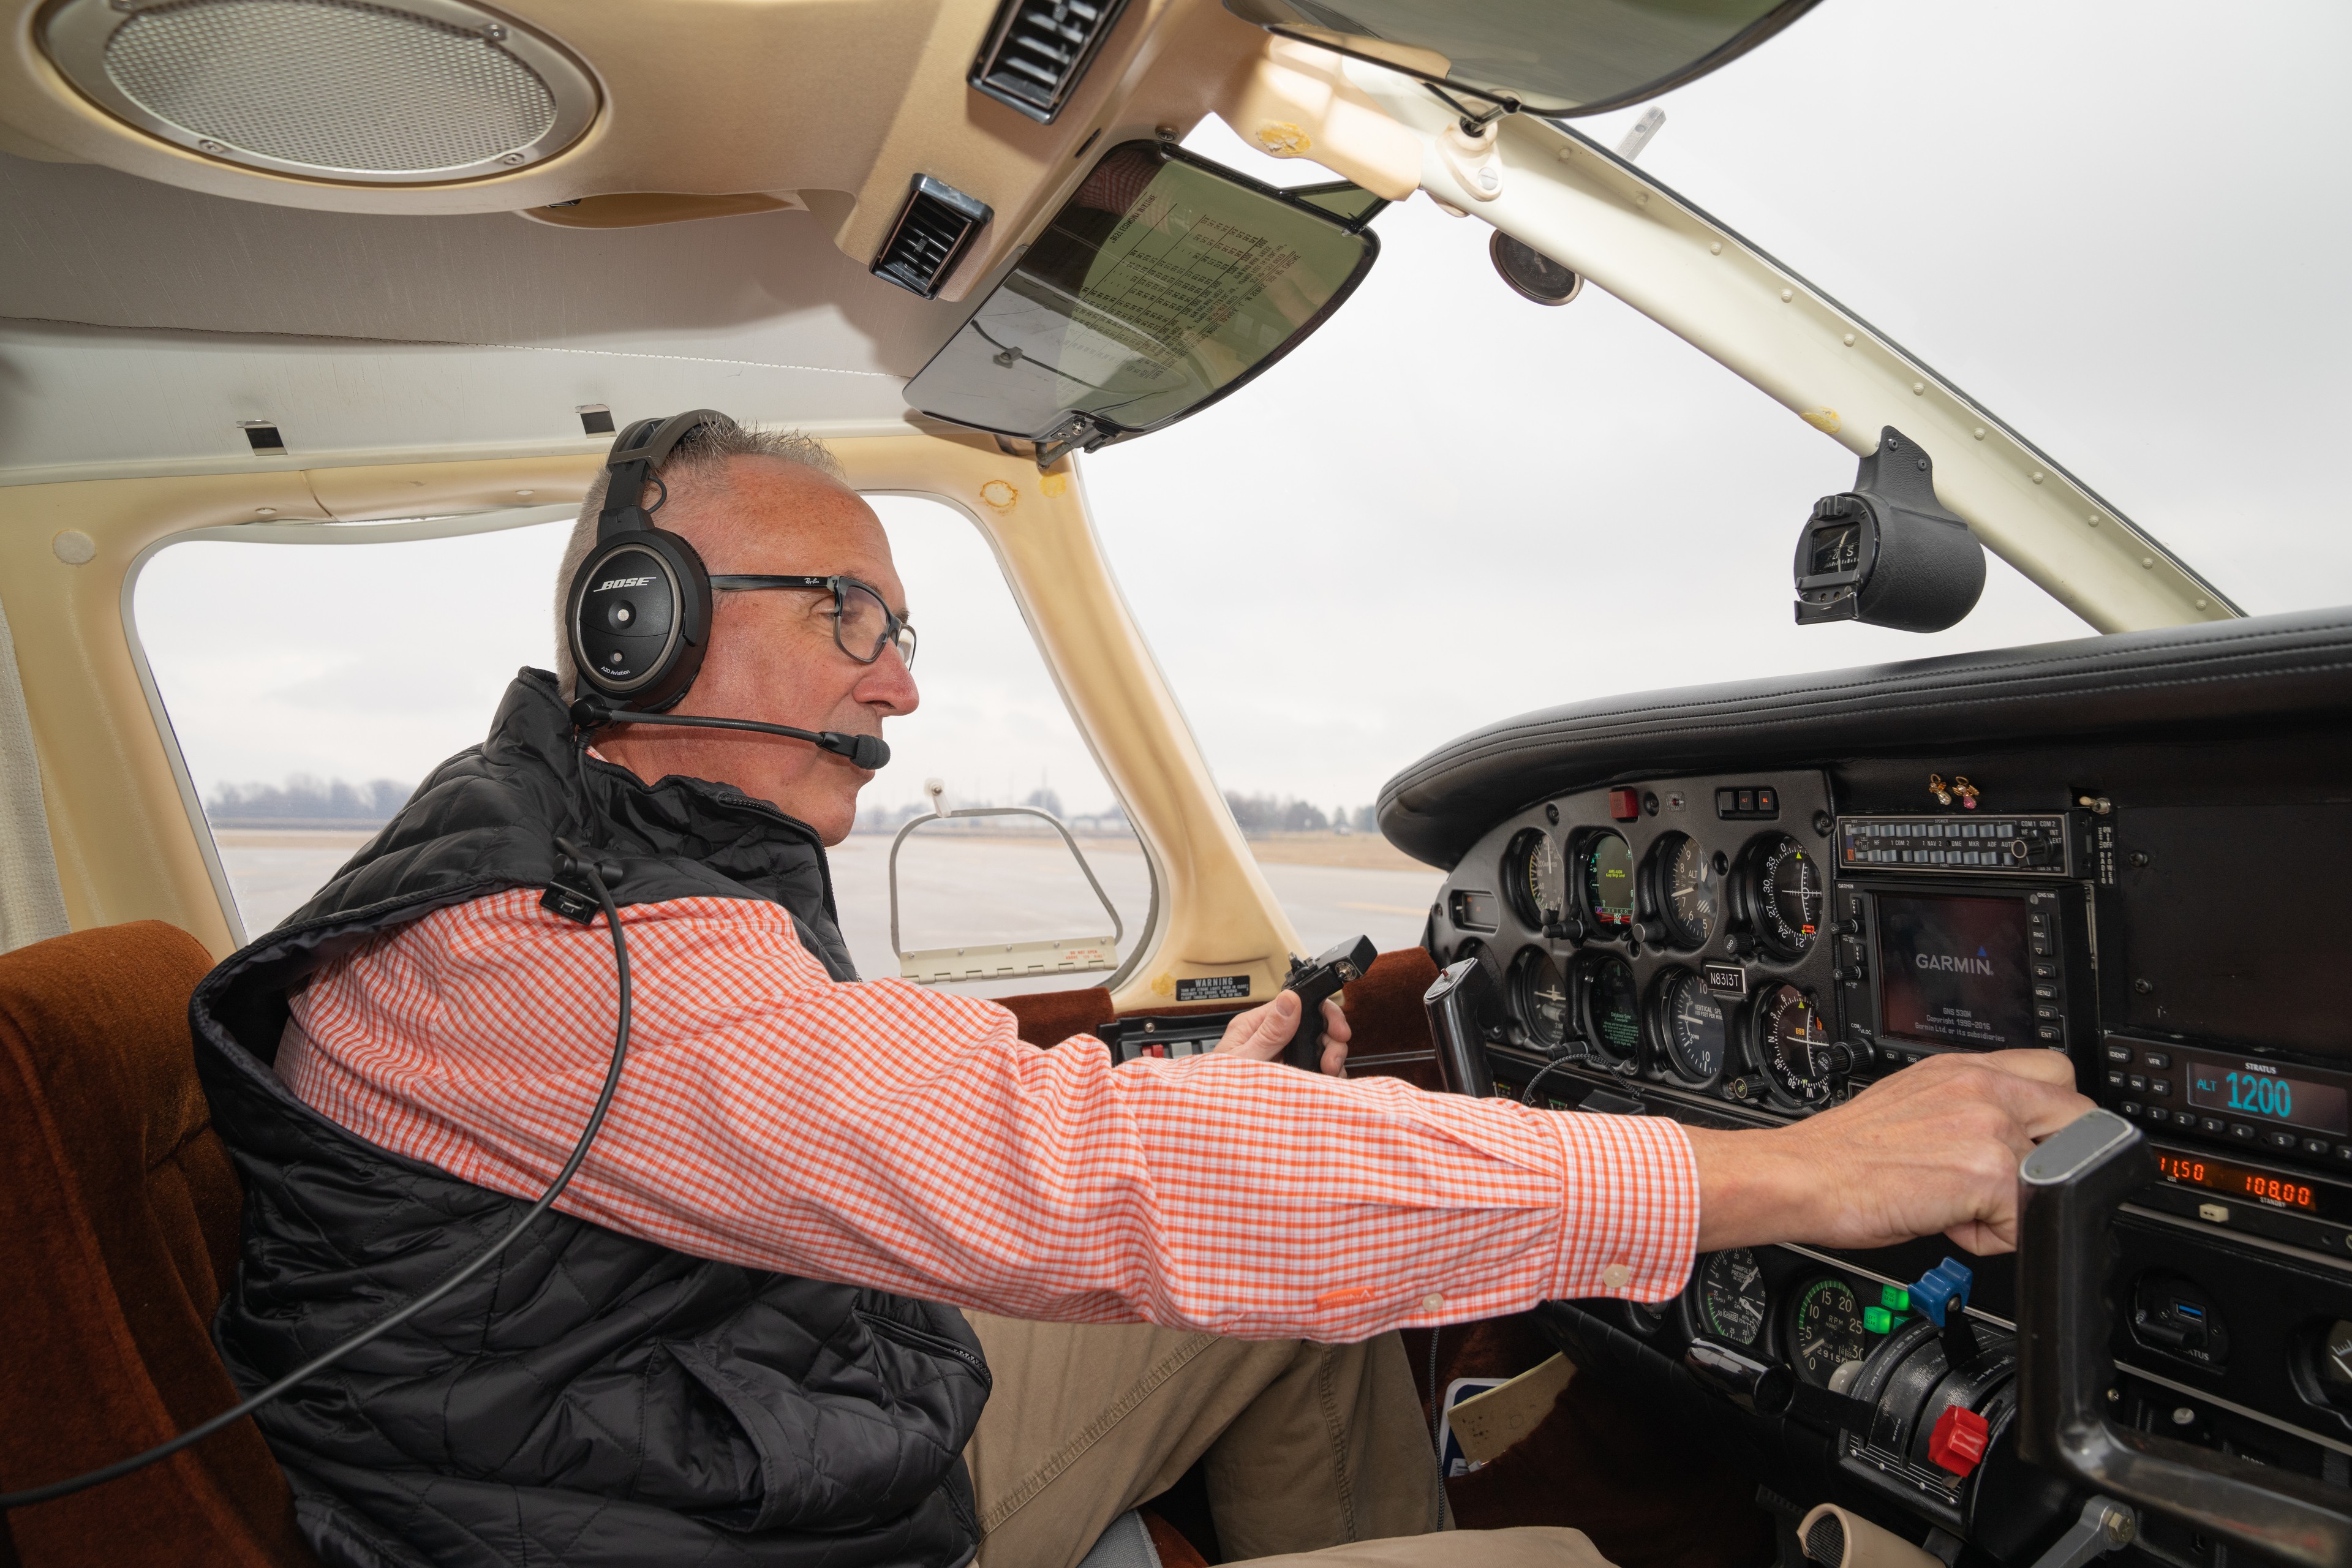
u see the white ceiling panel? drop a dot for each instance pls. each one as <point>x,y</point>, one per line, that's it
<point>90,402</point>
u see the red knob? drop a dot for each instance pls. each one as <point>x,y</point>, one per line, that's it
<point>1958,1441</point>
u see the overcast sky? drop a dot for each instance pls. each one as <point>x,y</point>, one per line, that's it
<point>2120,227</point>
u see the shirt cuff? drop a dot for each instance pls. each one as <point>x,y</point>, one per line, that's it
<point>1630,1207</point>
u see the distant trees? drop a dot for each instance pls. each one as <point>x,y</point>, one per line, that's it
<point>1259,814</point>
<point>303,799</point>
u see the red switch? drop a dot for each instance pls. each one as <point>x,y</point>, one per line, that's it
<point>1625,804</point>
<point>1958,1443</point>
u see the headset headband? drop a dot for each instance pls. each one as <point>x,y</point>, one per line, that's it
<point>636,452</point>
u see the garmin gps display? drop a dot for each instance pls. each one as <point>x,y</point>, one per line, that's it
<point>1954,971</point>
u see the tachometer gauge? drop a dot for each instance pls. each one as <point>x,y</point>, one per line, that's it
<point>1689,896</point>
<point>1607,867</point>
<point>1825,1331</point>
<point>1533,874</point>
<point>1540,999</point>
<point>1613,1007</point>
<point>1789,896</point>
<point>1792,1044</point>
<point>1732,1301</point>
<point>1693,1025</point>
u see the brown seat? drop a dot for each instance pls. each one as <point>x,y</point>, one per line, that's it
<point>118,1233</point>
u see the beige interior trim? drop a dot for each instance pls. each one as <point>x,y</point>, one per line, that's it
<point>32,905</point>
<point>716,97</point>
<point>119,827</point>
<point>127,829</point>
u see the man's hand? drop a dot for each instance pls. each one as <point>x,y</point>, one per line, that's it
<point>1262,1032</point>
<point>1932,1148</point>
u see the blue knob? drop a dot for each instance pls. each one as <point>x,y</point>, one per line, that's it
<point>1942,1288</point>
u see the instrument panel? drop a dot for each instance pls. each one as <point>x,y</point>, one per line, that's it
<point>1741,951</point>
<point>1677,934</point>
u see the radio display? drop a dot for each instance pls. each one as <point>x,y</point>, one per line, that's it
<point>2259,1091</point>
<point>1955,971</point>
<point>2237,1180</point>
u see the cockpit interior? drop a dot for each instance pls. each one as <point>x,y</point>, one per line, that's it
<point>320,321</point>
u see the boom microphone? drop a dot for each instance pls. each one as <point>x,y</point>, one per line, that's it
<point>868,752</point>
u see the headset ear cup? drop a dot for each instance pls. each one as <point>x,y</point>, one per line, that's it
<point>638,617</point>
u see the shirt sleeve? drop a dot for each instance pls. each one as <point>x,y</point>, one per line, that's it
<point>890,1135</point>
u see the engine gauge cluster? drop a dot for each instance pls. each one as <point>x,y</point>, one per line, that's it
<point>1784,1307</point>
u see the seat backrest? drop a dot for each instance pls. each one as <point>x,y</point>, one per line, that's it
<point>117,1234</point>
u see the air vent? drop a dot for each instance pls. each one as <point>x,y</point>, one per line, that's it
<point>930,237</point>
<point>1038,50</point>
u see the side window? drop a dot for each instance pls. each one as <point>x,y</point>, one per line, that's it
<point>312,685</point>
<point>312,675</point>
<point>992,729</point>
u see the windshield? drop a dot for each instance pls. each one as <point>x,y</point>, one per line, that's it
<point>1452,505</point>
<point>2124,241</point>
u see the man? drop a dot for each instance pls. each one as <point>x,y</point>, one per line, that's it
<point>1166,1261</point>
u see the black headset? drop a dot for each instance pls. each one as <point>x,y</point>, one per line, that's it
<point>638,611</point>
<point>637,614</point>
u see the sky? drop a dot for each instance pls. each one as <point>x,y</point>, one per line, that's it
<point>2117,227</point>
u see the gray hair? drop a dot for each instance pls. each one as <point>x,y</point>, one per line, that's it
<point>700,459</point>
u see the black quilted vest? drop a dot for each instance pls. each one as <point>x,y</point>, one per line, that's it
<point>589,1399</point>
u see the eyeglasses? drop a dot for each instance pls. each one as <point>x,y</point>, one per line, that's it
<point>863,625</point>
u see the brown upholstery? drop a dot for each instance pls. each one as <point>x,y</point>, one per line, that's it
<point>119,1231</point>
<point>1049,1017</point>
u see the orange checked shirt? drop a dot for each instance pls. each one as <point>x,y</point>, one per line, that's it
<point>884,1134</point>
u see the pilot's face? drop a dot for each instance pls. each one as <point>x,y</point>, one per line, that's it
<point>772,655</point>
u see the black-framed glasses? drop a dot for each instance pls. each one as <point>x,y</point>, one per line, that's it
<point>863,625</point>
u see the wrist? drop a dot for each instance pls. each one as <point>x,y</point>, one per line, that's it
<point>1753,1187</point>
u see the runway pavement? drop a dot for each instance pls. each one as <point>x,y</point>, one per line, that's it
<point>952,891</point>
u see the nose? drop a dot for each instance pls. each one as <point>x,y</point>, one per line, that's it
<point>888,684</point>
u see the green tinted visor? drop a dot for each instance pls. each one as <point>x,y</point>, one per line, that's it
<point>1163,284</point>
<point>1558,58</point>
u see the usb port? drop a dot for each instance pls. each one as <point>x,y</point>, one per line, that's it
<point>2190,1311</point>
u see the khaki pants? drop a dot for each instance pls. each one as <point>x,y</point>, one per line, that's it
<point>1308,1448</point>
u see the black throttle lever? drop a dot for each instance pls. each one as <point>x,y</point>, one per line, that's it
<point>2067,1192</point>
<point>1316,984</point>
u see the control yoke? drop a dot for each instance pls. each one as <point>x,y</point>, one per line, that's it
<point>2068,1190</point>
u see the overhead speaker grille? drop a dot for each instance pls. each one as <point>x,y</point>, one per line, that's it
<point>424,91</point>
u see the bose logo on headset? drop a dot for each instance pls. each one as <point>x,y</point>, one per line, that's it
<point>624,583</point>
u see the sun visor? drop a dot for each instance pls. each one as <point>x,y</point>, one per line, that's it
<point>1163,284</point>
<point>1558,58</point>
